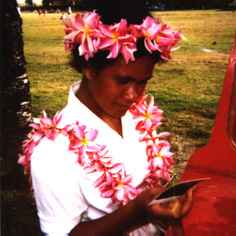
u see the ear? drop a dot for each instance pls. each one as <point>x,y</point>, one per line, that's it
<point>89,73</point>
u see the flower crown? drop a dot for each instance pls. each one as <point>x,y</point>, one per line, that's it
<point>88,31</point>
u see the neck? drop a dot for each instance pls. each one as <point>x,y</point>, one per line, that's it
<point>85,96</point>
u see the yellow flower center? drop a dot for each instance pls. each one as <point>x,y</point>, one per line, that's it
<point>84,141</point>
<point>87,30</point>
<point>146,34</point>
<point>147,115</point>
<point>120,185</point>
<point>158,156</point>
<point>114,37</point>
<point>158,39</point>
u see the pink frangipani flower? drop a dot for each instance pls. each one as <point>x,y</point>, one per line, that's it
<point>99,160</point>
<point>159,155</point>
<point>166,39</point>
<point>82,141</point>
<point>157,176</point>
<point>148,116</point>
<point>46,126</point>
<point>118,40</point>
<point>120,189</point>
<point>153,136</point>
<point>157,36</point>
<point>83,31</point>
<point>25,157</point>
<point>149,30</point>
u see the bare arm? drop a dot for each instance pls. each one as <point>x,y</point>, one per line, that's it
<point>116,223</point>
<point>135,214</point>
<point>124,219</point>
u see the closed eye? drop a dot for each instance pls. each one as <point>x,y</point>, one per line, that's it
<point>126,80</point>
<point>142,82</point>
<point>123,80</point>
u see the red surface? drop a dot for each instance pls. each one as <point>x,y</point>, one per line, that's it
<point>214,209</point>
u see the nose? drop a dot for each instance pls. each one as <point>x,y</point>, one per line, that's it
<point>131,93</point>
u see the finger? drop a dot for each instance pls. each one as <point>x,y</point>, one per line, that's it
<point>177,209</point>
<point>156,191</point>
<point>162,212</point>
<point>188,202</point>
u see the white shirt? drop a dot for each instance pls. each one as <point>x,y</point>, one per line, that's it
<point>62,189</point>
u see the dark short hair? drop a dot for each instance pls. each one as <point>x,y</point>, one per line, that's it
<point>112,11</point>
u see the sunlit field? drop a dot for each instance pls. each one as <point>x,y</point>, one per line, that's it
<point>187,88</point>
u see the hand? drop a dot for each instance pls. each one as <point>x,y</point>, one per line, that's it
<point>172,210</point>
<point>143,199</point>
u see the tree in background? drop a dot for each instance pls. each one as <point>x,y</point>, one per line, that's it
<point>46,3</point>
<point>18,216</point>
<point>221,3</point>
<point>55,4</point>
<point>16,109</point>
<point>29,3</point>
<point>191,4</point>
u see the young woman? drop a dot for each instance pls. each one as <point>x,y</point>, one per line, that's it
<point>97,166</point>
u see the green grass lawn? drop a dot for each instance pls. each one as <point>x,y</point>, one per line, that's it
<point>187,88</point>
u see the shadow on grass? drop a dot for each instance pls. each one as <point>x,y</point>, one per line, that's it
<point>173,71</point>
<point>191,118</point>
<point>177,103</point>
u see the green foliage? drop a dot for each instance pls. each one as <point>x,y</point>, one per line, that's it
<point>56,3</point>
<point>46,3</point>
<point>29,3</point>
<point>193,4</point>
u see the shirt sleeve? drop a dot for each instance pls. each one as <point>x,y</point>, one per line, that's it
<point>55,182</point>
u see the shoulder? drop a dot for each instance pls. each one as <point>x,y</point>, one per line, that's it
<point>51,156</point>
<point>48,149</point>
<point>47,143</point>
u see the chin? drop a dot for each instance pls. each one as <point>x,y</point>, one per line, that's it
<point>122,112</point>
<point>119,113</point>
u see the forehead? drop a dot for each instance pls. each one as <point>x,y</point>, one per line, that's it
<point>141,68</point>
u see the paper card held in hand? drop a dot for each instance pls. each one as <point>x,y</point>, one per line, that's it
<point>177,190</point>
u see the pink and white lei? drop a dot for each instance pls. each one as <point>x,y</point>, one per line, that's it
<point>92,35</point>
<point>113,181</point>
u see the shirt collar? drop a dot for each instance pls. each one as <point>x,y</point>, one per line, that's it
<point>79,111</point>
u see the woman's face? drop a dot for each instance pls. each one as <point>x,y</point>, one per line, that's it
<point>115,88</point>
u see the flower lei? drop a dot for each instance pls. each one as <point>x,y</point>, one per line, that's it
<point>88,31</point>
<point>113,181</point>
